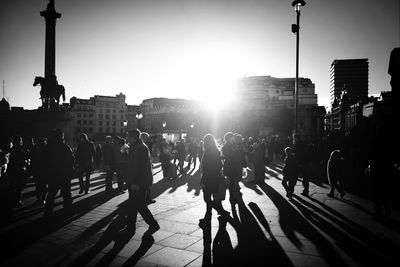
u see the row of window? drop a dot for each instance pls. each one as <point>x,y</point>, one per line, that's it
<point>90,122</point>
<point>84,115</point>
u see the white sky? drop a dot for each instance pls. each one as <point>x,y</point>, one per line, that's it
<point>190,49</point>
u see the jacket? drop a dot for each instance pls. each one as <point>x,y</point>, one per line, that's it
<point>139,170</point>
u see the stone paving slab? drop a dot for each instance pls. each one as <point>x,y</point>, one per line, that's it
<point>309,231</point>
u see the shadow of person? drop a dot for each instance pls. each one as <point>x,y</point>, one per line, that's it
<point>26,234</point>
<point>147,242</point>
<point>205,226</point>
<point>110,234</point>
<point>365,247</point>
<point>222,249</point>
<point>292,222</point>
<point>254,248</point>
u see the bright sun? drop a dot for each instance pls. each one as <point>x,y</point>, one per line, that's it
<point>207,72</point>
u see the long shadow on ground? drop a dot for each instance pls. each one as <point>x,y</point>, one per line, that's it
<point>253,249</point>
<point>292,222</point>
<point>26,234</point>
<point>363,246</point>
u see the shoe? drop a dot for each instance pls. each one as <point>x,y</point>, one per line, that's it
<point>20,203</point>
<point>87,192</point>
<point>342,194</point>
<point>152,229</point>
<point>289,195</point>
<point>80,191</point>
<point>331,194</point>
<point>151,201</point>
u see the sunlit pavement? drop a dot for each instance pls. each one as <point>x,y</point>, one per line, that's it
<point>267,229</point>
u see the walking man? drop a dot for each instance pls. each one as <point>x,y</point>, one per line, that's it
<point>139,179</point>
<point>84,156</point>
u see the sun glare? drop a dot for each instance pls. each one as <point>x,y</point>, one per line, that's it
<point>207,73</point>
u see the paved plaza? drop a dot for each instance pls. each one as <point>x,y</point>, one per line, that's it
<point>267,229</point>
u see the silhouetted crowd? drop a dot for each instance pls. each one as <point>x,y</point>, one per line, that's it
<point>51,164</point>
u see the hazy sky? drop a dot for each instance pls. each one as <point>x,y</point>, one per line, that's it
<point>190,48</point>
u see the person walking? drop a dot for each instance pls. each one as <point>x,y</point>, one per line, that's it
<point>290,172</point>
<point>121,149</point>
<point>17,168</point>
<point>181,149</point>
<point>193,150</point>
<point>60,160</point>
<point>232,167</point>
<point>109,162</point>
<point>139,178</point>
<point>211,179</point>
<point>258,162</point>
<point>38,164</point>
<point>334,171</point>
<point>301,152</point>
<point>85,154</point>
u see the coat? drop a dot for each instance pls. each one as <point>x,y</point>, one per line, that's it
<point>211,166</point>
<point>139,170</point>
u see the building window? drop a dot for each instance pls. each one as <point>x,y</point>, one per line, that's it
<point>107,111</point>
<point>100,116</point>
<point>107,116</point>
<point>84,122</point>
<point>79,115</point>
<point>114,111</point>
<point>91,122</point>
<point>113,123</point>
<point>78,122</point>
<point>100,130</point>
<point>114,117</point>
<point>108,130</point>
<point>84,115</point>
<point>100,123</point>
<point>108,123</point>
<point>90,130</point>
<point>114,130</point>
<point>90,115</point>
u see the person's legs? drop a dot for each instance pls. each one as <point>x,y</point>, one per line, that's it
<point>109,177</point>
<point>80,177</point>
<point>87,185</point>
<point>66,193</point>
<point>305,182</point>
<point>53,189</point>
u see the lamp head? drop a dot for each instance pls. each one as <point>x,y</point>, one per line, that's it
<point>297,4</point>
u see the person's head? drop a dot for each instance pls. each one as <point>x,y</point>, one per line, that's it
<point>144,136</point>
<point>335,154</point>
<point>288,151</point>
<point>296,137</point>
<point>228,137</point>
<point>83,137</point>
<point>209,142</point>
<point>41,141</point>
<point>109,139</point>
<point>57,135</point>
<point>255,146</point>
<point>133,135</point>
<point>121,141</point>
<point>238,139</point>
<point>17,141</point>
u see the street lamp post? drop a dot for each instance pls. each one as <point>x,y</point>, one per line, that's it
<point>139,116</point>
<point>297,4</point>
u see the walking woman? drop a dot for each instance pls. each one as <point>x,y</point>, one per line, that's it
<point>211,179</point>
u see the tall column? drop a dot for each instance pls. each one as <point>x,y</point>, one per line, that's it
<point>50,16</point>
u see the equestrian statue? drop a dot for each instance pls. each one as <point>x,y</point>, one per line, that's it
<point>50,91</point>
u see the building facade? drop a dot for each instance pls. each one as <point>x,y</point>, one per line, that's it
<point>350,75</point>
<point>268,104</point>
<point>98,115</point>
